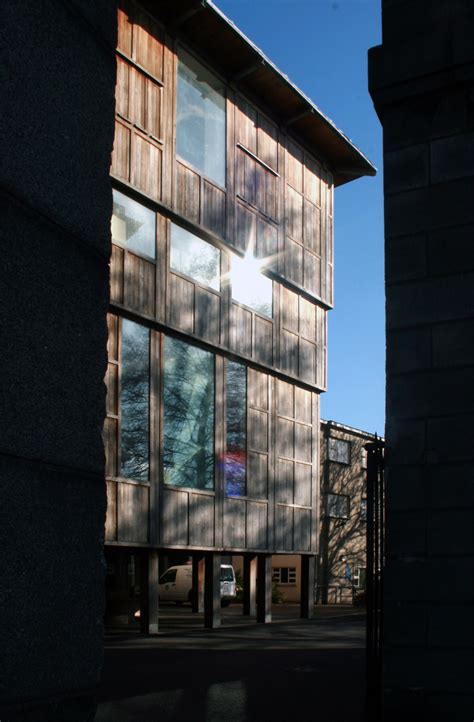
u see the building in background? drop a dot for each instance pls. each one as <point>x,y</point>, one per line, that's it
<point>341,561</point>
<point>221,278</point>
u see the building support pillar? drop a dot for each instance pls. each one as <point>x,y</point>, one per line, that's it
<point>307,587</point>
<point>149,604</point>
<point>250,583</point>
<point>197,601</point>
<point>212,590</point>
<point>264,588</point>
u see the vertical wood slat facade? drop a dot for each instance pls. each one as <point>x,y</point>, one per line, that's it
<point>278,203</point>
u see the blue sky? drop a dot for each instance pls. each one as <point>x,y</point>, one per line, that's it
<point>322,46</point>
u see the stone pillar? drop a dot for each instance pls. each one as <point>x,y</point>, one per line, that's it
<point>264,588</point>
<point>250,583</point>
<point>212,590</point>
<point>422,84</point>
<point>197,601</point>
<point>54,289</point>
<point>307,587</point>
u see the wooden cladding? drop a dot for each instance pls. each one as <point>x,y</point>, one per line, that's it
<point>277,198</point>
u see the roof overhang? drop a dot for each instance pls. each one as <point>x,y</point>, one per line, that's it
<point>201,24</point>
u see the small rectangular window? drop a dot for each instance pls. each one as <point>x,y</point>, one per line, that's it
<point>134,401</point>
<point>359,576</point>
<point>133,225</point>
<point>201,118</point>
<point>284,575</point>
<point>338,506</point>
<point>339,450</point>
<point>236,432</point>
<point>195,257</point>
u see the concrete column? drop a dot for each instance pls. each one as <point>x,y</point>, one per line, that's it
<point>197,602</point>
<point>264,588</point>
<point>307,587</point>
<point>250,584</point>
<point>212,590</point>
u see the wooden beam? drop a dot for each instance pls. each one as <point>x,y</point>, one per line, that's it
<point>212,590</point>
<point>307,587</point>
<point>264,588</point>
<point>250,583</point>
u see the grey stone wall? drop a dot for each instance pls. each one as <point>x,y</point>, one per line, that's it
<point>57,132</point>
<point>422,84</point>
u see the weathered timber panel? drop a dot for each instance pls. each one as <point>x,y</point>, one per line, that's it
<point>109,435</point>
<point>285,394</point>
<point>124,27</point>
<point>257,481</point>
<point>139,284</point>
<point>121,152</point>
<point>111,516</point>
<point>257,432</point>
<point>146,165</point>
<point>132,513</point>
<point>240,330</point>
<point>116,274</point>
<point>307,361</point>
<point>303,442</point>
<point>285,445</point>
<point>303,405</point>
<point>267,142</point>
<point>181,303</point>
<point>147,45</point>
<point>263,340</point>
<point>284,481</point>
<point>294,169</point>
<point>174,518</point>
<point>234,528</point>
<point>111,382</point>
<point>245,235</point>
<point>201,520</point>
<point>257,523</point>
<point>187,200</point>
<point>284,528</point>
<point>302,529</point>
<point>289,352</point>
<point>213,201</point>
<point>257,389</point>
<point>303,489</point>
<point>246,124</point>
<point>207,318</point>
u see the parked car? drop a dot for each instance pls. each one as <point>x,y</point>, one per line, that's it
<point>176,584</point>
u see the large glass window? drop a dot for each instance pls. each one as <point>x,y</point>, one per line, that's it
<point>133,225</point>
<point>250,286</point>
<point>194,257</point>
<point>188,451</point>
<point>236,440</point>
<point>134,401</point>
<point>200,131</point>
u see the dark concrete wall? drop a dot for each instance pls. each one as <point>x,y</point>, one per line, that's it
<point>57,132</point>
<point>422,83</point>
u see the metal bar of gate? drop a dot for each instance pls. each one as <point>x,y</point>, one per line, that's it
<point>374,578</point>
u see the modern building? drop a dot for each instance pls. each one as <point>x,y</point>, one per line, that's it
<point>340,566</point>
<point>223,175</point>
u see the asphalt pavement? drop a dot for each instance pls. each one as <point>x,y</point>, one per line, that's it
<point>290,670</point>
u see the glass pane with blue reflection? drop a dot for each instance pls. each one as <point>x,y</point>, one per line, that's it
<point>188,443</point>
<point>201,118</point>
<point>236,435</point>
<point>134,401</point>
<point>133,225</point>
<point>195,257</point>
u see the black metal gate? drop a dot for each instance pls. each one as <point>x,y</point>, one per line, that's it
<point>374,581</point>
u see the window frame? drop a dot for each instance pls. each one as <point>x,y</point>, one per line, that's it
<point>182,274</point>
<point>125,246</point>
<point>292,576</point>
<point>335,495</point>
<point>347,445</point>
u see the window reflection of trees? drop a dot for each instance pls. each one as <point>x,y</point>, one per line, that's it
<point>236,438</point>
<point>188,448</point>
<point>134,401</point>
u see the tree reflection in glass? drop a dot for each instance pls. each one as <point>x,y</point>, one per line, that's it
<point>134,401</point>
<point>236,437</point>
<point>188,444</point>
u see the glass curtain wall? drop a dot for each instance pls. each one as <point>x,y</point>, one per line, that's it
<point>236,433</point>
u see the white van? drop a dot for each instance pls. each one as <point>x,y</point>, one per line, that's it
<point>176,584</point>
